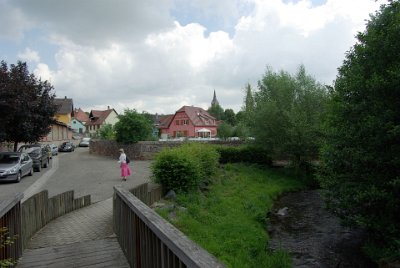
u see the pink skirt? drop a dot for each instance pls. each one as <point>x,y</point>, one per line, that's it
<point>125,170</point>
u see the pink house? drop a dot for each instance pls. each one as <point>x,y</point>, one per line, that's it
<point>190,122</point>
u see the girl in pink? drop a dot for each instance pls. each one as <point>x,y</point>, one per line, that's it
<point>125,169</point>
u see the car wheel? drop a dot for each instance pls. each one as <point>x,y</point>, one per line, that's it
<point>18,179</point>
<point>30,172</point>
<point>46,164</point>
<point>39,168</point>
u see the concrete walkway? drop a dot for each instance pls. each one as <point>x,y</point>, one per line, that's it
<point>82,238</point>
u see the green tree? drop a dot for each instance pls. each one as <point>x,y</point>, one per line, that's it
<point>26,105</point>
<point>249,104</point>
<point>224,130</point>
<point>230,117</point>
<point>217,111</point>
<point>106,132</point>
<point>287,114</point>
<point>132,127</point>
<point>361,157</point>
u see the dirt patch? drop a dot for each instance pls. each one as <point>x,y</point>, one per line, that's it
<point>314,237</point>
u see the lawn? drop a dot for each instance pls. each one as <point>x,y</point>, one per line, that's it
<point>229,220</point>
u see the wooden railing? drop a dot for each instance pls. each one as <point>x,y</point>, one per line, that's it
<point>10,218</point>
<point>147,240</point>
<point>39,209</point>
<point>23,220</point>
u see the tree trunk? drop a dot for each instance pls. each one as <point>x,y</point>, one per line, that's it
<point>15,146</point>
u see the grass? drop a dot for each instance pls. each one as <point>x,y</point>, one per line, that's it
<point>229,220</point>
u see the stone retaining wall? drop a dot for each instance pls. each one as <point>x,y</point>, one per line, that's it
<point>143,150</point>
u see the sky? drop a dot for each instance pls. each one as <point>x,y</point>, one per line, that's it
<point>158,55</point>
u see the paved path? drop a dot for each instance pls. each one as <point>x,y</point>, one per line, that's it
<point>82,238</point>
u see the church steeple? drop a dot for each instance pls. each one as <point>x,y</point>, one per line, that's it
<point>214,101</point>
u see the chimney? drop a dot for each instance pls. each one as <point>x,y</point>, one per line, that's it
<point>65,97</point>
<point>108,107</point>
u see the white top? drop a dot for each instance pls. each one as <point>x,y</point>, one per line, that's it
<point>122,158</point>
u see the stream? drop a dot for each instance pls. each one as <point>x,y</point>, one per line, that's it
<point>301,225</point>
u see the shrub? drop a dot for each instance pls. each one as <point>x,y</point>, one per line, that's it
<point>185,167</point>
<point>245,154</point>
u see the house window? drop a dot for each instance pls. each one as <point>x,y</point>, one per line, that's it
<point>74,122</point>
<point>177,122</point>
<point>185,122</point>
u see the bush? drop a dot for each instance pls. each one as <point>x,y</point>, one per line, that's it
<point>186,167</point>
<point>245,154</point>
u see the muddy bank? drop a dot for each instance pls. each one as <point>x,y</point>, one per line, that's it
<point>313,236</point>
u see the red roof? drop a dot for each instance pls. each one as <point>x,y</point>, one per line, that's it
<point>198,116</point>
<point>81,115</point>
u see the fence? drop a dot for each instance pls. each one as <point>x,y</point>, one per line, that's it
<point>10,218</point>
<point>39,209</point>
<point>24,220</point>
<point>147,240</point>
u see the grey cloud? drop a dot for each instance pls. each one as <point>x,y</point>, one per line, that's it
<point>98,22</point>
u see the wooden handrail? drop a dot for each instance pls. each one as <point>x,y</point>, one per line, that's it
<point>153,239</point>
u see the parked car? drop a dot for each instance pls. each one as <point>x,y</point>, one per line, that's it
<point>54,149</point>
<point>14,166</point>
<point>66,147</point>
<point>39,154</point>
<point>84,142</point>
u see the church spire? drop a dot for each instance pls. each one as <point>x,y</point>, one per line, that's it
<point>214,101</point>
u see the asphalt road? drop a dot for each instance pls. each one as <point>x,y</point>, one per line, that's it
<point>79,171</point>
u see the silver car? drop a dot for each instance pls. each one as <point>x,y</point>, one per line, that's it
<point>85,142</point>
<point>14,166</point>
<point>54,149</point>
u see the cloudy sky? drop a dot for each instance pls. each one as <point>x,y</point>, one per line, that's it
<point>158,55</point>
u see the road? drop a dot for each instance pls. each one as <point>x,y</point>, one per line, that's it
<point>79,171</point>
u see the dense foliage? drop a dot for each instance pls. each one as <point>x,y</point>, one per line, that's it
<point>217,111</point>
<point>132,127</point>
<point>361,158</point>
<point>225,130</point>
<point>244,154</point>
<point>184,168</point>
<point>26,105</point>
<point>287,113</point>
<point>106,132</point>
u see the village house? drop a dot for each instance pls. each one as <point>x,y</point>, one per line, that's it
<point>60,130</point>
<point>188,122</point>
<point>65,110</point>
<point>98,118</point>
<point>79,121</point>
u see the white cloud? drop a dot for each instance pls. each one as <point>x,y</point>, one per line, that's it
<point>29,55</point>
<point>135,54</point>
<point>189,43</point>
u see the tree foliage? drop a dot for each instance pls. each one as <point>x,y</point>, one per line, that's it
<point>225,130</point>
<point>132,127</point>
<point>230,117</point>
<point>106,132</point>
<point>26,105</point>
<point>287,114</point>
<point>217,111</point>
<point>361,171</point>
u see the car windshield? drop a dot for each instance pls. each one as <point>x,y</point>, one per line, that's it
<point>86,139</point>
<point>34,150</point>
<point>9,158</point>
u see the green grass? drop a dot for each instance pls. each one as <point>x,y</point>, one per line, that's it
<point>229,221</point>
